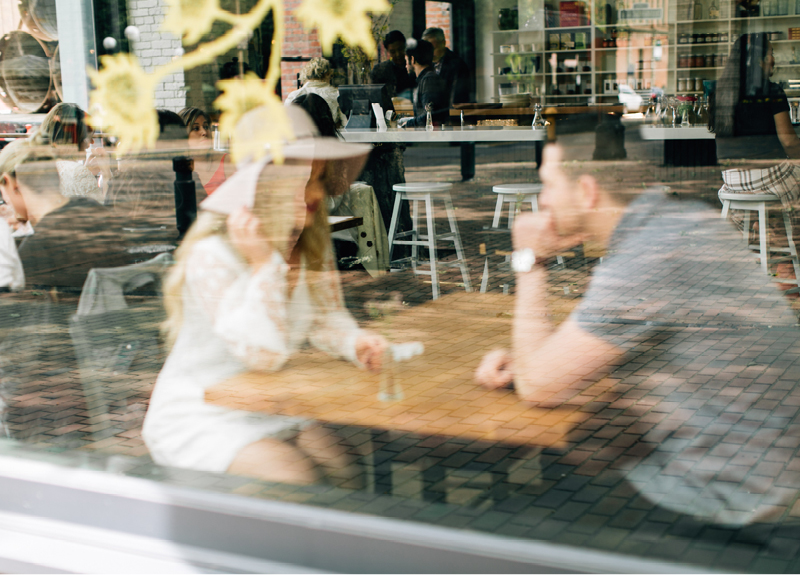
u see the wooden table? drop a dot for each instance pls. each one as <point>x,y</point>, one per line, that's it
<point>684,145</point>
<point>441,397</point>
<point>466,136</point>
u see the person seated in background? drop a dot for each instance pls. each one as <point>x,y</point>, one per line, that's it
<point>254,280</point>
<point>350,200</point>
<point>431,94</point>
<point>749,113</point>
<point>10,156</point>
<point>450,67</point>
<point>678,323</point>
<point>65,128</point>
<point>143,189</point>
<point>316,79</point>
<point>394,71</point>
<point>211,167</point>
<point>72,234</point>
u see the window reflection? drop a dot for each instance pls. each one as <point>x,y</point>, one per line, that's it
<point>583,333</point>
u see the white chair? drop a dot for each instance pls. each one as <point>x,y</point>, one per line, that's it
<point>417,193</point>
<point>512,194</point>
<point>760,203</point>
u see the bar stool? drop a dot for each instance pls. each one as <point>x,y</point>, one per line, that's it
<point>511,194</point>
<point>758,203</point>
<point>415,193</point>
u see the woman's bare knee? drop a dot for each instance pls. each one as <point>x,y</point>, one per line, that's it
<point>275,460</point>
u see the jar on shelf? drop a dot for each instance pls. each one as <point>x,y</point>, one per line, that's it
<point>783,7</point>
<point>683,38</point>
<point>699,61</point>
<point>708,60</point>
<point>714,38</point>
<point>723,36</point>
<point>682,84</point>
<point>683,60</point>
<point>698,84</point>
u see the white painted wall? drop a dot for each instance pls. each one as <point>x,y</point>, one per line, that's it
<point>156,47</point>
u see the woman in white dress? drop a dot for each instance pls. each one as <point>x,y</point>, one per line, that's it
<point>253,281</point>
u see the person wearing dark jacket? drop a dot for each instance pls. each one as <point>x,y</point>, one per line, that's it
<point>394,72</point>
<point>431,91</point>
<point>449,66</point>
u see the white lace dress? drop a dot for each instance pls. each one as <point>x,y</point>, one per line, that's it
<point>235,321</point>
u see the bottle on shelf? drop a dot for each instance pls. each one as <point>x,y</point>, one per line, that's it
<point>697,10</point>
<point>713,10</point>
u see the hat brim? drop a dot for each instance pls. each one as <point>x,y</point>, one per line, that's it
<point>239,191</point>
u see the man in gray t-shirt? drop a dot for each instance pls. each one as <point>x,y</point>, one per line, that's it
<point>680,331</point>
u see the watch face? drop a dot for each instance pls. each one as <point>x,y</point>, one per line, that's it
<point>522,261</point>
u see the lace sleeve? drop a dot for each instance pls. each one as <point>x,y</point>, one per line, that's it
<point>334,330</point>
<point>247,309</point>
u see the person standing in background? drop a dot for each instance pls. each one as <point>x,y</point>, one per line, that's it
<point>393,72</point>
<point>449,66</point>
<point>431,91</point>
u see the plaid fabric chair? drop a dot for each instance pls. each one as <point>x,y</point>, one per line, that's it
<point>782,181</point>
<point>754,190</point>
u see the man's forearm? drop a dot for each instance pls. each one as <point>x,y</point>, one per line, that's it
<point>532,325</point>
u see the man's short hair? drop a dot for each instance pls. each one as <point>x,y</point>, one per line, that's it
<point>392,37</point>
<point>437,33</point>
<point>422,53</point>
<point>38,172</point>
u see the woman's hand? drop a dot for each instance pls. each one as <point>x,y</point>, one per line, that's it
<point>495,370</point>
<point>244,230</point>
<point>370,348</point>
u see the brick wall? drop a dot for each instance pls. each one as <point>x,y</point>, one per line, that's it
<point>297,42</point>
<point>437,15</point>
<point>155,47</point>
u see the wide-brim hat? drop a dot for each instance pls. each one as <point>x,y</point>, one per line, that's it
<point>240,189</point>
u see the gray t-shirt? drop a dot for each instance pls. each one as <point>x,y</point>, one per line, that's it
<point>709,377</point>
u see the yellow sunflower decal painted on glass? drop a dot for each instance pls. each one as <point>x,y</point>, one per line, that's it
<point>190,19</point>
<point>268,127</point>
<point>345,19</point>
<point>122,102</point>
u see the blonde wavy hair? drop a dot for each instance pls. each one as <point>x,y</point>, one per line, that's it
<point>274,207</point>
<point>316,69</point>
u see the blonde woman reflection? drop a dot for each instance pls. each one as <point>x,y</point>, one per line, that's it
<point>253,281</point>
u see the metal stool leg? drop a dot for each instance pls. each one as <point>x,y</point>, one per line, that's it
<point>451,218</point>
<point>393,224</point>
<point>726,205</point>
<point>485,276</point>
<point>746,228</point>
<point>512,208</point>
<point>762,235</point>
<point>787,223</point>
<point>415,234</point>
<point>432,245</point>
<point>534,203</point>
<point>498,211</point>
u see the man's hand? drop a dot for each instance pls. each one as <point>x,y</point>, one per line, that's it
<point>370,348</point>
<point>538,232</point>
<point>244,230</point>
<point>495,370</point>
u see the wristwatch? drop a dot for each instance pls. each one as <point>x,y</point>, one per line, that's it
<point>522,261</point>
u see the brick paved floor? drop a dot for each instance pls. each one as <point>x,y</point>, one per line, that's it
<point>92,409</point>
